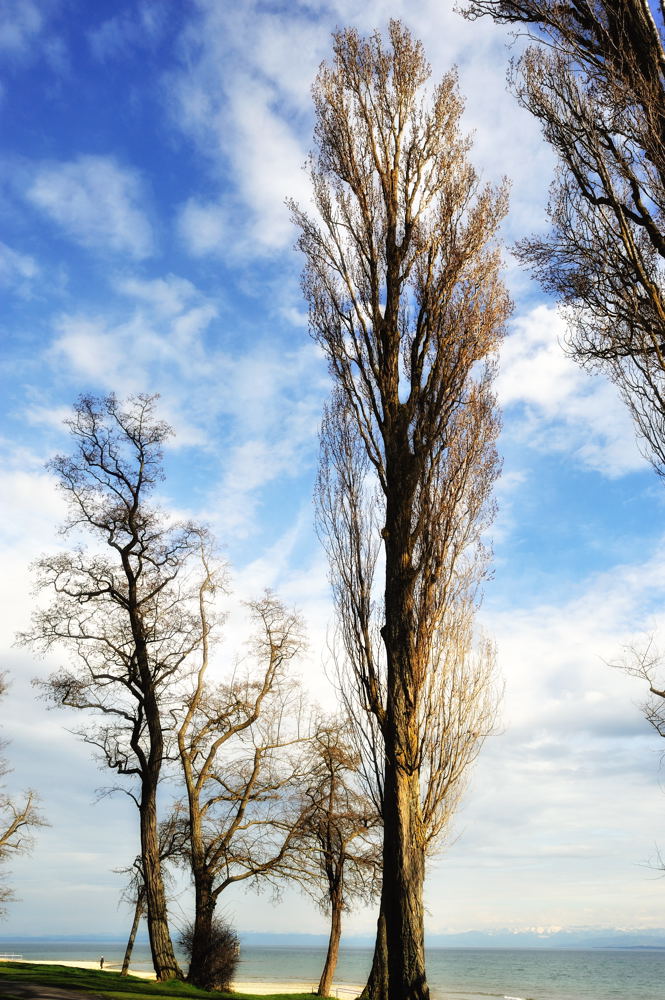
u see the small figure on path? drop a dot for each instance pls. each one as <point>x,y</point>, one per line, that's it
<point>101,962</point>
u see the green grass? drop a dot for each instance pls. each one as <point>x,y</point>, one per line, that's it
<point>115,986</point>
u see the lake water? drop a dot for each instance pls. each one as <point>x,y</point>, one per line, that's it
<point>453,973</point>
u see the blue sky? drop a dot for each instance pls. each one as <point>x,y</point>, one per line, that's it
<point>147,152</point>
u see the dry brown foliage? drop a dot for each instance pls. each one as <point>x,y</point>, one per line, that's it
<point>405,299</point>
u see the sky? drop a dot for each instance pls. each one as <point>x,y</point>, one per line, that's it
<point>148,149</point>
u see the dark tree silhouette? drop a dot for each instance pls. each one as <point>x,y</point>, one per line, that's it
<point>595,80</point>
<point>123,609</point>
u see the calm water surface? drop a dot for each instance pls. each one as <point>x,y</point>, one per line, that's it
<point>453,973</point>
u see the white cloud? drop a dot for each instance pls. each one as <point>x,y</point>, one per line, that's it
<point>204,227</point>
<point>265,156</point>
<point>555,655</point>
<point>90,351</point>
<point>263,403</point>
<point>159,342</point>
<point>29,505</point>
<point>168,296</point>
<point>42,415</point>
<point>245,100</point>
<point>561,407</point>
<point>565,803</point>
<point>97,202</point>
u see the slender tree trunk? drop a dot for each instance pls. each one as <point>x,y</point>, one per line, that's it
<point>163,957</point>
<point>138,913</point>
<point>403,845</point>
<point>376,987</point>
<point>326,981</point>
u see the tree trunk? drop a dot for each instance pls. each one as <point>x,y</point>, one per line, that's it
<point>201,973</point>
<point>403,843</point>
<point>325,984</point>
<point>376,987</point>
<point>138,913</point>
<point>405,864</point>
<point>161,947</point>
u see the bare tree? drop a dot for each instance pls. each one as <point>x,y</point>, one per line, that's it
<point>18,818</point>
<point>596,83</point>
<point>340,847</point>
<point>458,704</point>
<point>405,299</point>
<point>135,895</point>
<point>122,610</point>
<point>646,663</point>
<point>241,747</point>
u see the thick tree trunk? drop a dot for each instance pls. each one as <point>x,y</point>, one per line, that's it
<point>376,987</point>
<point>201,966</point>
<point>326,981</point>
<point>161,947</point>
<point>404,870</point>
<point>138,913</point>
<point>201,972</point>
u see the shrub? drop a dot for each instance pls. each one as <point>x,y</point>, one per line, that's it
<point>217,959</point>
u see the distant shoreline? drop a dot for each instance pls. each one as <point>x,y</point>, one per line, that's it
<point>607,940</point>
<point>7,943</point>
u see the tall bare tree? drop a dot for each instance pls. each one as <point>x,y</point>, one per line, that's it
<point>405,298</point>
<point>18,818</point>
<point>459,700</point>
<point>340,846</point>
<point>122,609</point>
<point>596,83</point>
<point>242,751</point>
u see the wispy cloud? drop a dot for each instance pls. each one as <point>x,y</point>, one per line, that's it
<point>27,34</point>
<point>21,22</point>
<point>260,403</point>
<point>97,201</point>
<point>244,99</point>
<point>555,406</point>
<point>562,815</point>
<point>157,340</point>
<point>139,27</point>
<point>16,269</point>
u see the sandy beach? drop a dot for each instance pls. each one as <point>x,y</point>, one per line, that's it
<point>110,967</point>
<point>345,991</point>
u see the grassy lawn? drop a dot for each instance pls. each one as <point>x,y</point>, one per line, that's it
<point>113,985</point>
